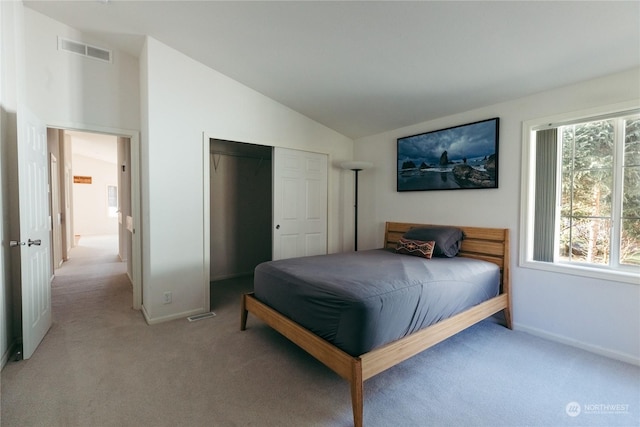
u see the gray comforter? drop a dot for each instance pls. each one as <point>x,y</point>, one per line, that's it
<point>361,300</point>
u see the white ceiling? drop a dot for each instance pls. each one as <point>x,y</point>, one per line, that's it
<point>94,146</point>
<point>364,67</point>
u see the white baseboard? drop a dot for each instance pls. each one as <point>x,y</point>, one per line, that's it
<point>602,351</point>
<point>184,315</point>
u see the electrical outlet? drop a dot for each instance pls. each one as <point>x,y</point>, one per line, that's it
<point>167,297</point>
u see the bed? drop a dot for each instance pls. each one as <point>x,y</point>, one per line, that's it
<point>358,331</point>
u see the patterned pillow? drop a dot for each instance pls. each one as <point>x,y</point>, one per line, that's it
<point>448,239</point>
<point>415,247</point>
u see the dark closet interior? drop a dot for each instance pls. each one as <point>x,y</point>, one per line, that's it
<point>240,207</point>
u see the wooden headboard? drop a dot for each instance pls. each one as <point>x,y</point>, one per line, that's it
<point>489,244</point>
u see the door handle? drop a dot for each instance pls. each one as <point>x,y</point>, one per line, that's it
<point>14,243</point>
<point>278,227</point>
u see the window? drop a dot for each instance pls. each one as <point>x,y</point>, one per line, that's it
<point>581,194</point>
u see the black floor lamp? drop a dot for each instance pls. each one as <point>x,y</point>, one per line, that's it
<point>356,167</point>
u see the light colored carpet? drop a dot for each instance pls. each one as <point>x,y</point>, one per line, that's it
<point>102,365</point>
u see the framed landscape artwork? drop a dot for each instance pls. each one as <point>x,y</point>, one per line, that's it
<point>459,157</point>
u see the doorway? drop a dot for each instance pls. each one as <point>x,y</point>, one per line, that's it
<point>95,187</point>
<point>92,204</point>
<point>240,210</point>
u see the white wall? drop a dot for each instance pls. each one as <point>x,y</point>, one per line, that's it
<point>65,89</point>
<point>599,315</point>
<point>176,113</point>
<point>90,203</point>
<point>7,138</point>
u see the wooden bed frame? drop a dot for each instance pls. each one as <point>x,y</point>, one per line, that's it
<point>489,244</point>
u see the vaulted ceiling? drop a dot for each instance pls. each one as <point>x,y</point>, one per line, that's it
<point>365,67</point>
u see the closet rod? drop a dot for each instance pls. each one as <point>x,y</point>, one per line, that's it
<point>239,155</point>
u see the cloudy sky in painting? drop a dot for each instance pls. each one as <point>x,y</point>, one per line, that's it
<point>470,141</point>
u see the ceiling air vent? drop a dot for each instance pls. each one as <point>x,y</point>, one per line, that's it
<point>84,49</point>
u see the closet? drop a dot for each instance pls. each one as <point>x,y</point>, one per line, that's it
<point>240,207</point>
<point>264,203</point>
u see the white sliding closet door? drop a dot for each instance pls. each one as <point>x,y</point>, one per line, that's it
<point>299,203</point>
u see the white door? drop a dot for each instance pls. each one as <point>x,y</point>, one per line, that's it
<point>35,222</point>
<point>299,203</point>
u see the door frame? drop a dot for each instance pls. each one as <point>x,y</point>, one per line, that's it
<point>54,207</point>
<point>134,147</point>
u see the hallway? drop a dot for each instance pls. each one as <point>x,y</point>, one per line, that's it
<point>92,287</point>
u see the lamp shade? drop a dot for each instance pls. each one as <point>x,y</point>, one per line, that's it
<point>356,165</point>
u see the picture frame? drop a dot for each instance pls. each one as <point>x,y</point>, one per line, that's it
<point>456,158</point>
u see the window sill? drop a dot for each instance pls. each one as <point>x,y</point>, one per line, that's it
<point>591,272</point>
